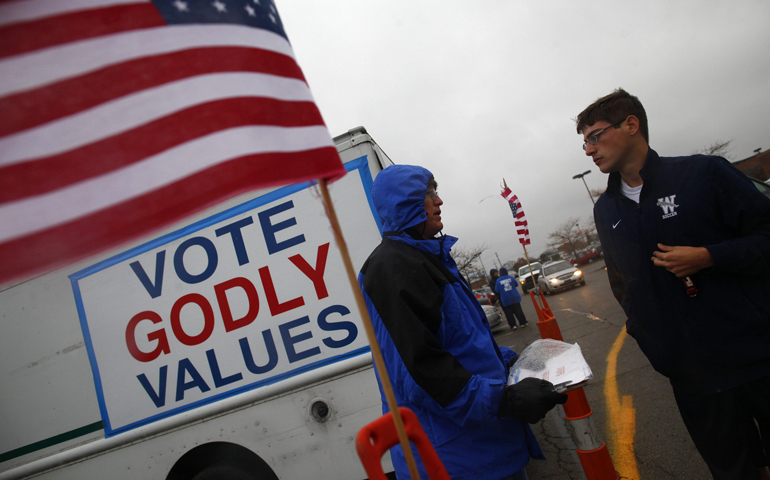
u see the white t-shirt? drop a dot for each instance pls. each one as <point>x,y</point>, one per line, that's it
<point>630,192</point>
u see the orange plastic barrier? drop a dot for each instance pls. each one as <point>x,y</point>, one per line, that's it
<point>374,439</point>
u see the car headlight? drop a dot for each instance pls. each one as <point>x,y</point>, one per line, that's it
<point>554,280</point>
<point>578,273</point>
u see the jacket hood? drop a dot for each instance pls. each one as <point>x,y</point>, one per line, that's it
<point>399,196</point>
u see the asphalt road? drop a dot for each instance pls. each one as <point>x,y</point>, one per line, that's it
<point>655,446</point>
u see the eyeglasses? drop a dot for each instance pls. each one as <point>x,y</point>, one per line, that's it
<point>432,193</point>
<point>594,137</point>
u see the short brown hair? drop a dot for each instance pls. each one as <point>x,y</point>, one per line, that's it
<point>614,108</point>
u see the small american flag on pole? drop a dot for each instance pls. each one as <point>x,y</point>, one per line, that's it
<point>518,214</point>
<point>121,116</point>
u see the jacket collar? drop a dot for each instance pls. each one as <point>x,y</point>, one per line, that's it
<point>648,171</point>
<point>437,246</point>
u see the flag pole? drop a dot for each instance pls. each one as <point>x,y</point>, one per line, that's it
<point>531,273</point>
<point>376,352</point>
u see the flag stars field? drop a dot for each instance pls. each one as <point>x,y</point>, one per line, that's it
<point>206,99</point>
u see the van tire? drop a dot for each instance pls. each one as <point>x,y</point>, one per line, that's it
<point>223,471</point>
<point>221,460</point>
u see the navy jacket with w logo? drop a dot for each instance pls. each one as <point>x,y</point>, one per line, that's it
<point>720,338</point>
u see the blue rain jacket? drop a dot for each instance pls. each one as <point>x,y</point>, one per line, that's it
<point>720,338</point>
<point>506,287</point>
<point>441,357</point>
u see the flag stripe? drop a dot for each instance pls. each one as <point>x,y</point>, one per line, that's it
<point>14,11</point>
<point>146,106</point>
<point>35,69</point>
<point>24,37</point>
<point>520,221</point>
<point>36,213</point>
<point>125,221</point>
<point>35,107</point>
<point>57,171</point>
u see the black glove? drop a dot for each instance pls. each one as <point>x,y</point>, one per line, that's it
<point>529,400</point>
<point>511,362</point>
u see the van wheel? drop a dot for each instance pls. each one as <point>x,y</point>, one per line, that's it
<point>220,472</point>
<point>221,460</point>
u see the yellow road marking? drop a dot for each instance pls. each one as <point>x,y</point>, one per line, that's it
<point>621,417</point>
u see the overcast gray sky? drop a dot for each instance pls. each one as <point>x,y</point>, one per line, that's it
<point>485,90</point>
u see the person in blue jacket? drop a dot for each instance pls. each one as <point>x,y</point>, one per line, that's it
<point>687,247</point>
<point>510,299</point>
<point>441,357</point>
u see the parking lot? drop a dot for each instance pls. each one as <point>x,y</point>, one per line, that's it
<point>654,444</point>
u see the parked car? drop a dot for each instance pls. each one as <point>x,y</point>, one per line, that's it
<point>525,277</point>
<point>485,292</point>
<point>763,187</point>
<point>559,275</point>
<point>584,256</point>
<point>494,314</point>
<point>483,299</point>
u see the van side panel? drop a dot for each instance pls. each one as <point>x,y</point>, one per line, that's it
<point>62,350</point>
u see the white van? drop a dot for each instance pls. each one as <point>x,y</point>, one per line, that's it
<point>226,346</point>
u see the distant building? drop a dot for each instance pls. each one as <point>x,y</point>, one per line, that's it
<point>757,166</point>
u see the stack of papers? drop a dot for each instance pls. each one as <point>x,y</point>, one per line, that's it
<point>558,362</point>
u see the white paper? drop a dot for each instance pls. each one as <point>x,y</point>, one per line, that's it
<point>558,362</point>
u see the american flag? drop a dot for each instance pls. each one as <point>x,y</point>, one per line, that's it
<point>121,116</point>
<point>518,215</point>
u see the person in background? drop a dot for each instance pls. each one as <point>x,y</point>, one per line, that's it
<point>510,299</point>
<point>687,248</point>
<point>439,351</point>
<point>494,275</point>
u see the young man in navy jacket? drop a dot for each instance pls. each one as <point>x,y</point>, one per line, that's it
<point>687,247</point>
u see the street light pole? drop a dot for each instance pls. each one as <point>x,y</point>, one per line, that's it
<point>581,175</point>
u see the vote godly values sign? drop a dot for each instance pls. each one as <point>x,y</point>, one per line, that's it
<point>242,299</point>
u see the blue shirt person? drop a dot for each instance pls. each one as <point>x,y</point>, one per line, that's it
<point>510,299</point>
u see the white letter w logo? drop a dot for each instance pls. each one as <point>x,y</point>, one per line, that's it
<point>667,204</point>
